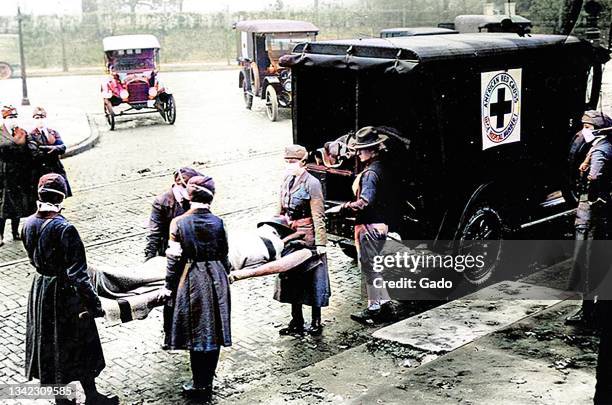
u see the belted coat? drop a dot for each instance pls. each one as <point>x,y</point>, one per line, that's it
<point>302,203</point>
<point>197,276</point>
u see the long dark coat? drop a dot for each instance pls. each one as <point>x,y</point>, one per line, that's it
<point>44,162</point>
<point>60,346</point>
<point>197,275</point>
<point>303,204</point>
<point>17,191</point>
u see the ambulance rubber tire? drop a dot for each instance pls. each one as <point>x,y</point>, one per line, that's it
<point>484,223</point>
<point>170,109</point>
<point>110,118</point>
<point>271,103</point>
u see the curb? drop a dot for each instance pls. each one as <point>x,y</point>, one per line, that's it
<point>96,71</point>
<point>87,143</point>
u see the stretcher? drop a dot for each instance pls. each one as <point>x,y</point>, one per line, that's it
<point>131,293</point>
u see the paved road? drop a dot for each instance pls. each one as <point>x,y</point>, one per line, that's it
<point>114,185</point>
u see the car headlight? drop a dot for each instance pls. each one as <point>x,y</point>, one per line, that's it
<point>287,85</point>
<point>152,92</point>
<point>124,94</point>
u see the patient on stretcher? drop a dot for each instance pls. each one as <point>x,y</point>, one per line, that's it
<point>131,293</point>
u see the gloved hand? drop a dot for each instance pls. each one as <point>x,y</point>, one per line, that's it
<point>164,294</point>
<point>321,250</point>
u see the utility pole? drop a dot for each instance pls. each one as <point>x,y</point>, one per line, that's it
<point>63,43</point>
<point>24,85</point>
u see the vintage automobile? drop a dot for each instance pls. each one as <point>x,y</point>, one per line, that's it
<point>133,86</point>
<point>9,62</point>
<point>260,45</point>
<point>415,31</point>
<point>471,23</point>
<point>482,124</point>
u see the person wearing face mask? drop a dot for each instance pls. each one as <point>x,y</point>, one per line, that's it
<point>46,146</point>
<point>62,341</point>
<point>371,211</point>
<point>166,207</point>
<point>302,203</point>
<point>198,286</point>
<point>593,221</point>
<point>17,196</point>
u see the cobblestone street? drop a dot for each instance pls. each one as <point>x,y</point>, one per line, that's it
<point>114,186</point>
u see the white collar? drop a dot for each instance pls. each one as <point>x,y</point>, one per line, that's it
<point>199,205</point>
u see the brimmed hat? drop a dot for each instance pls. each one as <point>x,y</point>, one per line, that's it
<point>9,111</point>
<point>52,187</point>
<point>184,174</point>
<point>597,119</point>
<point>39,112</point>
<point>280,224</point>
<point>296,152</point>
<point>201,189</point>
<point>368,137</point>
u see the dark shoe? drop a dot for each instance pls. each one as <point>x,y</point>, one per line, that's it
<point>292,330</point>
<point>579,319</point>
<point>102,400</point>
<point>389,312</point>
<point>367,316</point>
<point>204,393</point>
<point>65,401</point>
<point>315,328</point>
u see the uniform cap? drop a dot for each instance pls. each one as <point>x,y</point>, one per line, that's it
<point>296,152</point>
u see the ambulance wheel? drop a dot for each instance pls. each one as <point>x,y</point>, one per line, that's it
<point>271,103</point>
<point>110,117</point>
<point>248,97</point>
<point>170,110</point>
<point>578,151</point>
<point>481,234</point>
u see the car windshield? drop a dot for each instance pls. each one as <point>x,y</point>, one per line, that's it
<point>279,45</point>
<point>132,59</point>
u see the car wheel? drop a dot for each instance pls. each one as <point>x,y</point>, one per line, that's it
<point>271,103</point>
<point>248,97</point>
<point>482,234</point>
<point>110,117</point>
<point>170,110</point>
<point>5,71</point>
<point>578,152</point>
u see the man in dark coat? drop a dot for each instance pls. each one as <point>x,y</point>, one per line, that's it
<point>46,146</point>
<point>17,195</point>
<point>593,221</point>
<point>166,207</point>
<point>62,342</point>
<point>302,203</point>
<point>371,212</point>
<point>198,285</point>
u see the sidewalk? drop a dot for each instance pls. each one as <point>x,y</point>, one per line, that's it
<point>164,67</point>
<point>72,123</point>
<point>506,352</point>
